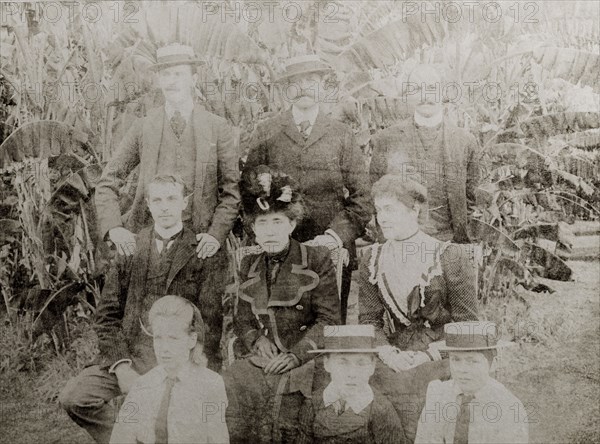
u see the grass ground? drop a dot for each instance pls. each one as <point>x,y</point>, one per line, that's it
<point>560,380</point>
<point>557,377</point>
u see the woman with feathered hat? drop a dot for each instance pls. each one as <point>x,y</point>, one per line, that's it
<point>287,293</point>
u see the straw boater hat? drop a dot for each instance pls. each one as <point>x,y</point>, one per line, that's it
<point>304,65</point>
<point>173,55</point>
<point>348,339</point>
<point>471,336</point>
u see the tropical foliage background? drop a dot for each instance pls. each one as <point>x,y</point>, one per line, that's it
<point>523,77</point>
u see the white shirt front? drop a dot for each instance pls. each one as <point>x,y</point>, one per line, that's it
<point>185,109</point>
<point>196,408</point>
<point>165,234</point>
<point>496,415</point>
<point>300,115</point>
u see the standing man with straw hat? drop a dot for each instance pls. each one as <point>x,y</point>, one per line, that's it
<point>180,138</point>
<point>472,407</point>
<point>322,155</point>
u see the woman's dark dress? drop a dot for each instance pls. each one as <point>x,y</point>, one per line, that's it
<point>449,297</point>
<point>288,299</point>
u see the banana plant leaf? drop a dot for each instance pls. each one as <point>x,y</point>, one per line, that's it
<point>555,232</point>
<point>483,231</point>
<point>554,267</point>
<point>9,230</point>
<point>40,139</point>
<point>559,123</point>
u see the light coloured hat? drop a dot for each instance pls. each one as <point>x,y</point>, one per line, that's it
<point>173,55</point>
<point>471,336</point>
<point>305,64</point>
<point>348,339</point>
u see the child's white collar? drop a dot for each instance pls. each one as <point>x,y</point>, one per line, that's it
<point>358,400</point>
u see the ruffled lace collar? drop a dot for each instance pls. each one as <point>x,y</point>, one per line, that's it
<point>397,267</point>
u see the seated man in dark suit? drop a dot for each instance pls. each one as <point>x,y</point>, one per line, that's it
<point>164,262</point>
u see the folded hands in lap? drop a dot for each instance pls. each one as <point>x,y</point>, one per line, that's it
<point>279,362</point>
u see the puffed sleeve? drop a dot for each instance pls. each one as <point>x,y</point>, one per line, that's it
<point>370,306</point>
<point>460,274</point>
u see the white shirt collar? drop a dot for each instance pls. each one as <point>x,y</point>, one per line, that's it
<point>310,114</point>
<point>184,373</point>
<point>483,393</point>
<point>165,234</point>
<point>184,108</point>
<point>429,122</point>
<point>357,401</point>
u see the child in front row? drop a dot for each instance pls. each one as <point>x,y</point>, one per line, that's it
<point>348,410</point>
<point>179,400</point>
<point>472,407</point>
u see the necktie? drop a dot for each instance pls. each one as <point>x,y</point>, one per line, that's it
<point>461,432</point>
<point>178,124</point>
<point>340,406</point>
<point>160,428</point>
<point>164,241</point>
<point>304,127</point>
<point>274,262</point>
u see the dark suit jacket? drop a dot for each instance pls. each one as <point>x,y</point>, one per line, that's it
<point>304,298</point>
<point>216,198</point>
<point>378,423</point>
<point>122,302</point>
<point>329,161</point>
<point>460,166</point>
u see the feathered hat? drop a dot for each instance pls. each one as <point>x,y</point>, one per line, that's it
<point>267,191</point>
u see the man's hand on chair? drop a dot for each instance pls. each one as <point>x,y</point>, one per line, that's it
<point>207,245</point>
<point>323,240</point>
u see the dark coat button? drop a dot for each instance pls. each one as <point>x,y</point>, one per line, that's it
<point>304,327</point>
<point>299,307</point>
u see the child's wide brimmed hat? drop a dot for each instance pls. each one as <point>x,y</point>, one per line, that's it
<point>471,336</point>
<point>267,191</point>
<point>348,339</point>
<point>305,64</point>
<point>173,55</point>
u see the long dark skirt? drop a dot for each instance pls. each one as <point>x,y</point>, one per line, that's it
<point>263,408</point>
